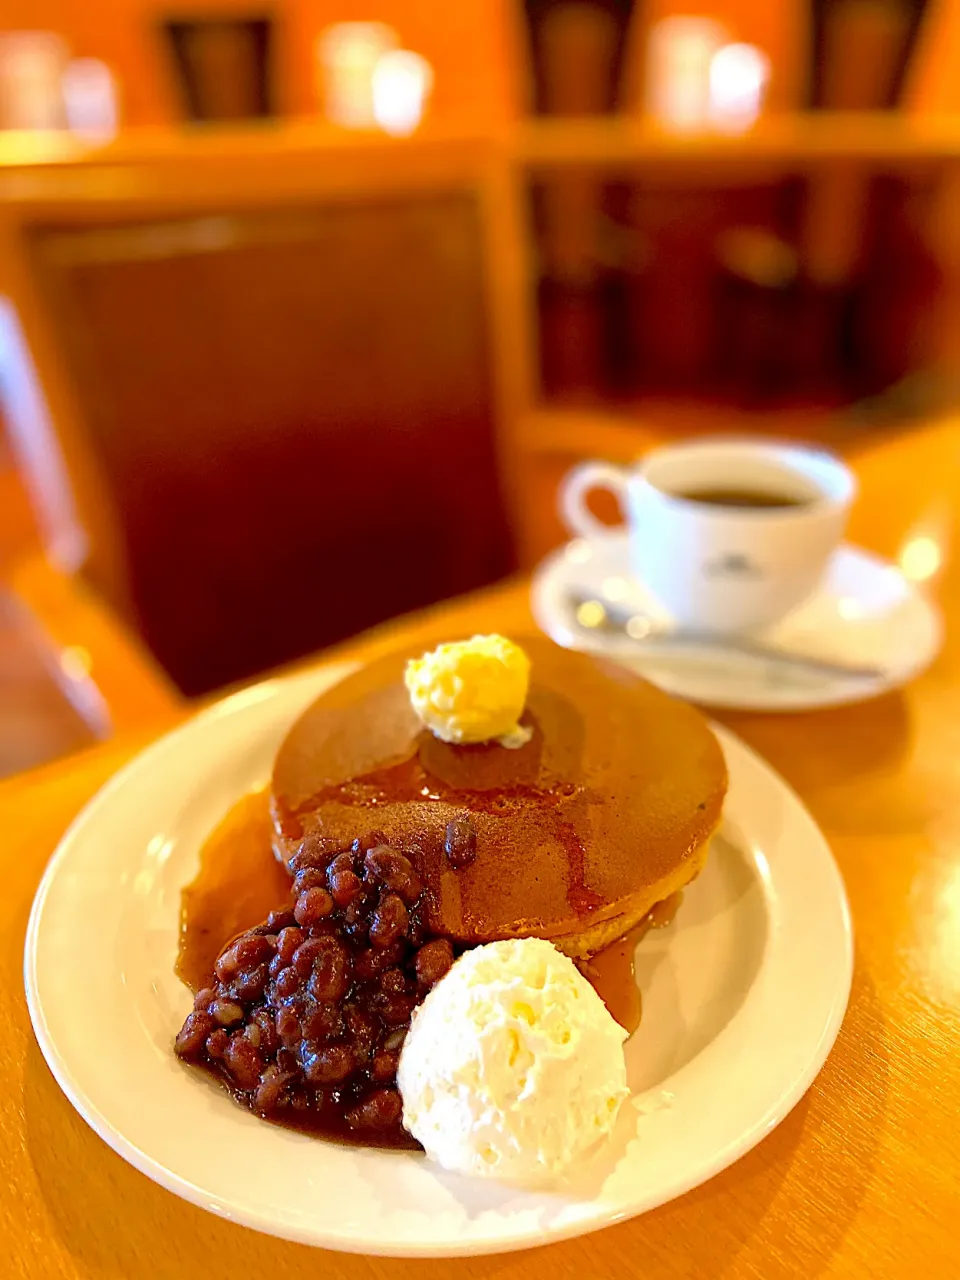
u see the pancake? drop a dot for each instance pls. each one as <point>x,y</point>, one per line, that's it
<point>605,812</point>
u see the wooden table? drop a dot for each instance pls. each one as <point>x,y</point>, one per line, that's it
<point>862,1179</point>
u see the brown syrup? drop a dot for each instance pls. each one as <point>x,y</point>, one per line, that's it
<point>612,972</point>
<point>409,782</point>
<point>328,1122</point>
<point>582,899</point>
<point>239,883</point>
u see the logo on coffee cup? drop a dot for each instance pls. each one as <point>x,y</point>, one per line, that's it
<point>733,564</point>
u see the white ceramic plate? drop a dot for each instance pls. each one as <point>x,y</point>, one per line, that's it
<point>865,613</point>
<point>744,994</point>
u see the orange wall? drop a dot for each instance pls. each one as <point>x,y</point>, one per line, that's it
<point>471,43</point>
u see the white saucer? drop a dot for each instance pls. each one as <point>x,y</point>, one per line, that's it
<point>743,997</point>
<point>865,613</point>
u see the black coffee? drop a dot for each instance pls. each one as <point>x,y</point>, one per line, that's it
<point>743,498</point>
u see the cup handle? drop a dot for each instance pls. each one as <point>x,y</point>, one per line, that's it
<point>574,488</point>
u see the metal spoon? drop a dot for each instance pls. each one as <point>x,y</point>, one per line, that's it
<point>593,616</point>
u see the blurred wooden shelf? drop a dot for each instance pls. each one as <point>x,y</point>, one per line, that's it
<point>255,163</point>
<point>888,137</point>
<point>224,141</point>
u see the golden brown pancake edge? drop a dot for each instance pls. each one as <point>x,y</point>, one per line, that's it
<point>605,812</point>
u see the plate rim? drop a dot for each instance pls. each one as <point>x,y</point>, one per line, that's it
<point>313,680</point>
<point>844,693</point>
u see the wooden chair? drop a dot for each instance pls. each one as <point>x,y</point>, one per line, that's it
<point>274,378</point>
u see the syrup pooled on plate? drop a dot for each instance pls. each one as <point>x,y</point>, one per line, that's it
<point>305,988</point>
<point>239,883</point>
<point>612,972</point>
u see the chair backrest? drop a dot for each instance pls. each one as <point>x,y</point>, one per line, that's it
<point>290,407</point>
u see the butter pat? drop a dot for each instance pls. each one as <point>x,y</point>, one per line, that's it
<point>472,690</point>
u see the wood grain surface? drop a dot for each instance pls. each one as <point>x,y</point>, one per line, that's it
<point>862,1179</point>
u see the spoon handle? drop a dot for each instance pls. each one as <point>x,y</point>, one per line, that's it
<point>615,618</point>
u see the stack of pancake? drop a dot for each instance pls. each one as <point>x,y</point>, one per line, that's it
<point>605,812</point>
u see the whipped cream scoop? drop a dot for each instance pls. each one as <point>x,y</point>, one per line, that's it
<point>512,1067</point>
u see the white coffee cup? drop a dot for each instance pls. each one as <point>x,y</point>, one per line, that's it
<point>714,566</point>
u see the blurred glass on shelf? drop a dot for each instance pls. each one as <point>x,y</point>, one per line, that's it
<point>31,67</point>
<point>401,85</point>
<point>348,54</point>
<point>679,58</point>
<point>739,74</point>
<point>697,80</point>
<point>368,82</point>
<point>90,99</point>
